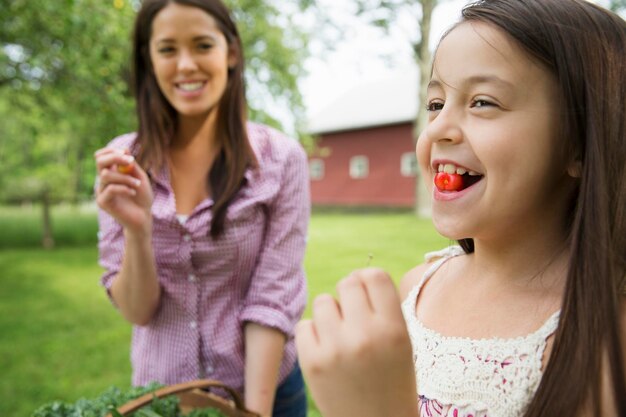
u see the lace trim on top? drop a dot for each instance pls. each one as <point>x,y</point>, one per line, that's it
<point>459,376</point>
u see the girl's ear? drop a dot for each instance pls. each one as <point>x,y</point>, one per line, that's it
<point>575,169</point>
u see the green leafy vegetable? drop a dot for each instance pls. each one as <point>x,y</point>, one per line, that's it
<point>113,397</point>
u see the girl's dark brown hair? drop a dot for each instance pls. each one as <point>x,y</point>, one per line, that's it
<point>584,46</point>
<point>158,119</point>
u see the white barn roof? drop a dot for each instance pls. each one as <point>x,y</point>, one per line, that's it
<point>389,100</point>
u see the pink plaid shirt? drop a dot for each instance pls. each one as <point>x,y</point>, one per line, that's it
<point>254,272</point>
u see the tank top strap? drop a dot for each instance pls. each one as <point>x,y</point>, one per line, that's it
<point>439,257</point>
<point>550,326</point>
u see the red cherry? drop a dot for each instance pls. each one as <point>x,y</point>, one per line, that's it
<point>448,182</point>
<point>125,169</point>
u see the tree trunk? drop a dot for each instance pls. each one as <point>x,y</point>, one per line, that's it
<point>76,174</point>
<point>47,239</point>
<point>423,57</point>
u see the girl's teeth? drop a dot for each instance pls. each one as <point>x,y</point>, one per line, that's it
<point>452,169</point>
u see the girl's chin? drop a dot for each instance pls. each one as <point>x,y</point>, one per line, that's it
<point>449,230</point>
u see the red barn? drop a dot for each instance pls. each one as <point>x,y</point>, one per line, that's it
<point>365,154</point>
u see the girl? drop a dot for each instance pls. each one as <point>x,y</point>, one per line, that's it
<point>204,216</point>
<point>525,153</point>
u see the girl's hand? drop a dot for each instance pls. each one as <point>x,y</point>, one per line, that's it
<point>123,190</point>
<point>356,354</point>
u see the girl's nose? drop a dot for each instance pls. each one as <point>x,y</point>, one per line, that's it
<point>445,127</point>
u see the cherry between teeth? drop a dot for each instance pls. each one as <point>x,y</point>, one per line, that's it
<point>448,182</point>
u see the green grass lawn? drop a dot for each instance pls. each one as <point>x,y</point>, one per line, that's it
<point>61,339</point>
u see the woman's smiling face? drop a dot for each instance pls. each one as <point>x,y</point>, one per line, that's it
<point>190,57</point>
<point>494,120</point>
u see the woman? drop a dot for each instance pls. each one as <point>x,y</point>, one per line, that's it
<point>203,216</point>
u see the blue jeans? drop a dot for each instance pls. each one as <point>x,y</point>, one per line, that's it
<point>291,398</point>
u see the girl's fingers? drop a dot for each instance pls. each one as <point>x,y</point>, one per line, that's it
<point>382,293</point>
<point>306,336</point>
<point>353,298</point>
<point>326,318</point>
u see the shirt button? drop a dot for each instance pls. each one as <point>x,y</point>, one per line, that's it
<point>193,324</point>
<point>209,369</point>
<point>186,238</point>
<point>191,278</point>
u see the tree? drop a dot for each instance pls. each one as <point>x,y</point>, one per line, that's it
<point>618,6</point>
<point>64,71</point>
<point>383,14</point>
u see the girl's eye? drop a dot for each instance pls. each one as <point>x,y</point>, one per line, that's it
<point>481,103</point>
<point>205,46</point>
<point>166,50</point>
<point>434,106</point>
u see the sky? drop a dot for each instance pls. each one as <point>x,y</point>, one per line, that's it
<point>364,55</point>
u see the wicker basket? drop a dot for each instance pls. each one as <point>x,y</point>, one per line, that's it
<point>193,396</point>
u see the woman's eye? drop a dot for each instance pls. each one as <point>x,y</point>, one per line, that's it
<point>166,50</point>
<point>434,106</point>
<point>205,46</point>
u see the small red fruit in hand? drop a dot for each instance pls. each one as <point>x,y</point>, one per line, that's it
<point>448,182</point>
<point>125,169</point>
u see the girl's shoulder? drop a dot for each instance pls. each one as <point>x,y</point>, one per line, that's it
<point>432,260</point>
<point>412,278</point>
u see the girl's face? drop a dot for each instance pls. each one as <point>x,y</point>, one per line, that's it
<point>190,57</point>
<point>494,120</point>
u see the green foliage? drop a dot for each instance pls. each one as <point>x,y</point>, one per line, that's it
<point>113,397</point>
<point>618,6</point>
<point>71,226</point>
<point>64,84</point>
<point>62,339</point>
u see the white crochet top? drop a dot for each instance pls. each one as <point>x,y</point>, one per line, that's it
<point>463,377</point>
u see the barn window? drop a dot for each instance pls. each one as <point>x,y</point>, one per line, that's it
<point>316,169</point>
<point>408,164</point>
<point>359,167</point>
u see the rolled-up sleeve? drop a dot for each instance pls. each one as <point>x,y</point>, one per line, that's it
<point>277,293</point>
<point>110,232</point>
<point>110,249</point>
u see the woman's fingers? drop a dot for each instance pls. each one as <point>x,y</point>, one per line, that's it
<point>108,194</point>
<point>110,157</point>
<point>108,176</point>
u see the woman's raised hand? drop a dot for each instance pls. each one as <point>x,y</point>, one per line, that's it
<point>356,354</point>
<point>123,190</point>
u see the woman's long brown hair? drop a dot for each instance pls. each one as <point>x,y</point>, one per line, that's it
<point>158,119</point>
<point>584,46</point>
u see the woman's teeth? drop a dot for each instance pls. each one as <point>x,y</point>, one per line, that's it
<point>190,86</point>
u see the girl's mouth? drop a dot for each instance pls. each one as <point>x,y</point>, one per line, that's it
<point>452,178</point>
